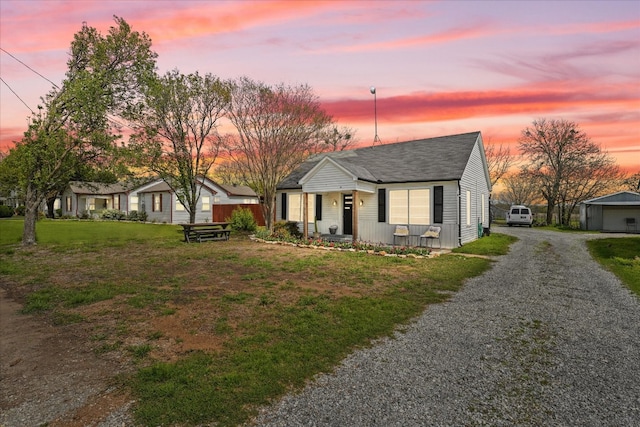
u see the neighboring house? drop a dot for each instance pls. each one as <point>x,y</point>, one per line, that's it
<point>366,192</point>
<point>91,198</point>
<point>157,200</point>
<point>617,212</point>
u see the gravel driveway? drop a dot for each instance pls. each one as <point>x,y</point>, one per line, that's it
<point>545,338</point>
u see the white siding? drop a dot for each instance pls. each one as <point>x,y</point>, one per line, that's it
<point>474,181</point>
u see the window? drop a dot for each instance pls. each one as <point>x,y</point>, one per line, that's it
<point>206,204</point>
<point>92,204</point>
<point>156,202</point>
<point>68,203</point>
<point>438,204</point>
<point>179,205</point>
<point>295,207</point>
<point>468,207</point>
<point>116,202</point>
<point>134,203</point>
<point>483,207</point>
<point>409,206</point>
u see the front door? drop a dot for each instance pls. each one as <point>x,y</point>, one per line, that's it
<point>347,214</point>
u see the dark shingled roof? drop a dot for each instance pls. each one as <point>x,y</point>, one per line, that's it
<point>442,158</point>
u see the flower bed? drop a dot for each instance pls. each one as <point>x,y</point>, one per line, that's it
<point>358,246</point>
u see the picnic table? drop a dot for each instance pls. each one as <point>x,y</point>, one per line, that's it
<point>201,232</point>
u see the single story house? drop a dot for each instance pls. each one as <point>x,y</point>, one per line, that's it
<point>617,212</point>
<point>367,192</point>
<point>158,200</point>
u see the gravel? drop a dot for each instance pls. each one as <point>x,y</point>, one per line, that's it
<point>544,338</point>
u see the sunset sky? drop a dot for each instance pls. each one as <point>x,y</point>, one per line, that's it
<point>440,67</point>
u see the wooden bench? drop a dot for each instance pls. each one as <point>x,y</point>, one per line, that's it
<point>206,231</point>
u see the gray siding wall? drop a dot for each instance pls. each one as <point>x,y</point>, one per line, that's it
<point>474,181</point>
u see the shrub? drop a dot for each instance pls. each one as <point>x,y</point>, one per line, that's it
<point>137,216</point>
<point>20,210</point>
<point>5,211</point>
<point>286,230</point>
<point>112,214</point>
<point>242,220</point>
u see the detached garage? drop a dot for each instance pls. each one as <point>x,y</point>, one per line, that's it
<point>618,212</point>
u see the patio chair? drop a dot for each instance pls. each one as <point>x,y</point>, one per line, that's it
<point>631,224</point>
<point>401,231</point>
<point>432,233</point>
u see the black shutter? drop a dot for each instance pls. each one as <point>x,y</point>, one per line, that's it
<point>382,205</point>
<point>283,206</point>
<point>319,207</point>
<point>438,204</point>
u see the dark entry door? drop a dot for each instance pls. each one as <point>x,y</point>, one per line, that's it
<point>347,214</point>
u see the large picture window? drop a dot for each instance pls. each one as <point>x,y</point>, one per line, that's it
<point>409,206</point>
<point>294,204</point>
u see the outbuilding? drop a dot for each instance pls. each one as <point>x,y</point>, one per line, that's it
<point>617,212</point>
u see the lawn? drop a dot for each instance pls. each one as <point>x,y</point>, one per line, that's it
<point>494,244</point>
<point>212,331</point>
<point>621,256</point>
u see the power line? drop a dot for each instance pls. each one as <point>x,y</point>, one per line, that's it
<point>55,85</point>
<point>17,96</point>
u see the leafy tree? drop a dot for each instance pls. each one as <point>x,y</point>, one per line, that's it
<point>73,124</point>
<point>177,137</point>
<point>567,165</point>
<point>278,127</point>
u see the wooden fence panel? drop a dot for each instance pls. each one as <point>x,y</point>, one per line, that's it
<point>222,212</point>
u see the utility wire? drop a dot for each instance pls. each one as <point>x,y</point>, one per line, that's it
<point>17,96</point>
<point>55,85</point>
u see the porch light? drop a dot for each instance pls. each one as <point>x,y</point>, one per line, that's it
<point>335,202</point>
<point>361,202</point>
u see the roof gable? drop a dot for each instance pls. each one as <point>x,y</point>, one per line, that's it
<point>433,159</point>
<point>621,197</point>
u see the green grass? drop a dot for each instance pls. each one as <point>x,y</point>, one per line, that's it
<point>279,315</point>
<point>495,244</point>
<point>85,234</point>
<point>621,256</point>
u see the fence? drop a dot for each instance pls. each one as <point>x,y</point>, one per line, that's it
<point>222,212</point>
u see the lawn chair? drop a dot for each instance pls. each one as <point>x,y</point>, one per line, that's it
<point>432,233</point>
<point>401,231</point>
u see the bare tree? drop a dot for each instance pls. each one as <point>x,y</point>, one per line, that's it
<point>338,139</point>
<point>278,127</point>
<point>177,138</point>
<point>499,161</point>
<point>568,166</point>
<point>520,189</point>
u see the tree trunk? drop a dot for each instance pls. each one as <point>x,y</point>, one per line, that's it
<point>550,207</point>
<point>32,201</point>
<point>50,207</point>
<point>268,209</point>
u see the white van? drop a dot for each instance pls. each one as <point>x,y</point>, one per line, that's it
<point>519,215</point>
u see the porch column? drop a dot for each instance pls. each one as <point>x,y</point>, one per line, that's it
<point>354,213</point>
<point>305,215</point>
